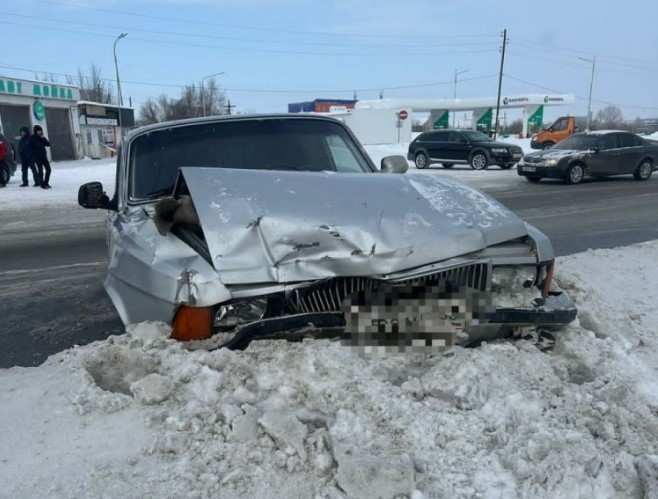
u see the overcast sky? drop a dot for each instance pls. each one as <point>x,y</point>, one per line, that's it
<point>275,52</point>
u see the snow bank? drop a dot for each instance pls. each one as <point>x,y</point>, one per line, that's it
<point>140,416</point>
<point>66,178</point>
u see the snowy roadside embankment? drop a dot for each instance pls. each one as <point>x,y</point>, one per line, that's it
<point>67,177</point>
<point>140,416</point>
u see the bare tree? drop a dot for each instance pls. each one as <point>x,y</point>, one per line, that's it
<point>515,127</point>
<point>201,100</point>
<point>610,117</point>
<point>93,87</point>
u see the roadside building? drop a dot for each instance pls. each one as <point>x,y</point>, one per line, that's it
<point>101,125</point>
<point>320,105</point>
<point>50,105</point>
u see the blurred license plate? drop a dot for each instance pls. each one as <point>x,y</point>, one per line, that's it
<point>529,169</point>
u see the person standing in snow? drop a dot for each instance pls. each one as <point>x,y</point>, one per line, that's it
<point>27,160</point>
<point>38,145</point>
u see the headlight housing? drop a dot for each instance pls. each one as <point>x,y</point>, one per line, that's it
<point>550,162</point>
<point>231,315</point>
<point>513,277</point>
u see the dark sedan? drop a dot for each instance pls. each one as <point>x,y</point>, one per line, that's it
<point>593,154</point>
<point>449,147</point>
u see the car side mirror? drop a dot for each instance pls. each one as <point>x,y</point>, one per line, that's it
<point>91,196</point>
<point>394,164</point>
<point>595,149</point>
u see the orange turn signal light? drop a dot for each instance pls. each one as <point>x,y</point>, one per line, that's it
<point>192,323</point>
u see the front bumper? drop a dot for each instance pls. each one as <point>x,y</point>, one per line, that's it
<point>506,159</point>
<point>557,309</point>
<point>537,170</point>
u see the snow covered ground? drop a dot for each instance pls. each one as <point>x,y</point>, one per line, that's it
<point>140,416</point>
<point>67,176</point>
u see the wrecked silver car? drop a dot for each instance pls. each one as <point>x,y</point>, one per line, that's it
<point>280,226</point>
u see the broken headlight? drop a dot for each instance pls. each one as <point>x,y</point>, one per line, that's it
<point>231,315</point>
<point>509,277</point>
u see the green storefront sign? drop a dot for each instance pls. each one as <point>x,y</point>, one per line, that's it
<point>484,123</point>
<point>38,110</point>
<point>536,119</point>
<point>45,90</point>
<point>442,121</point>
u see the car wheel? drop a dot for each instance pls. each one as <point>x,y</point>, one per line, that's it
<point>422,161</point>
<point>447,165</point>
<point>644,171</point>
<point>479,161</point>
<point>533,180</point>
<point>547,145</point>
<point>575,174</point>
<point>4,175</point>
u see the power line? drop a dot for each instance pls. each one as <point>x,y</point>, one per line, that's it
<point>627,62</point>
<point>579,97</point>
<point>241,39</point>
<point>236,26</point>
<point>257,90</point>
<point>248,49</point>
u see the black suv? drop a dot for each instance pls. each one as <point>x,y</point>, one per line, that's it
<point>462,146</point>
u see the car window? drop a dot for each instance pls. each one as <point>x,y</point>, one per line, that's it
<point>628,140</point>
<point>560,125</point>
<point>438,136</point>
<point>579,142</point>
<point>265,144</point>
<point>609,141</point>
<point>342,155</point>
<point>454,137</point>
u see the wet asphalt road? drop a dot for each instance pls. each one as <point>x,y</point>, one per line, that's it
<point>52,263</point>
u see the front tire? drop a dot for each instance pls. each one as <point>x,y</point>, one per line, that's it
<point>4,174</point>
<point>643,171</point>
<point>421,161</point>
<point>479,161</point>
<point>575,174</point>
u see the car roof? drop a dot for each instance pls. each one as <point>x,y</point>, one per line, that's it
<point>605,132</point>
<point>233,117</point>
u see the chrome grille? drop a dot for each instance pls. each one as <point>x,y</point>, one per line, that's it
<point>328,296</point>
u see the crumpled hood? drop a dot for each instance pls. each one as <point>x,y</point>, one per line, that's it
<point>271,226</point>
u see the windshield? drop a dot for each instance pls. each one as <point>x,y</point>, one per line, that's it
<point>265,144</point>
<point>477,136</point>
<point>581,142</point>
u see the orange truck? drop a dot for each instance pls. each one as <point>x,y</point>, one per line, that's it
<point>563,127</point>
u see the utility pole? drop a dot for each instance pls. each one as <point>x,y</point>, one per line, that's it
<point>500,81</point>
<point>116,68</point>
<point>229,106</point>
<point>457,73</point>
<point>592,61</point>
<point>203,100</point>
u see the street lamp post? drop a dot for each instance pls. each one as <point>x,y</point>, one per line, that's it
<point>116,68</point>
<point>457,73</point>
<point>203,100</point>
<point>592,61</point>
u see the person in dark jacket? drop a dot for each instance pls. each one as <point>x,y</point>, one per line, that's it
<point>38,144</point>
<point>27,160</point>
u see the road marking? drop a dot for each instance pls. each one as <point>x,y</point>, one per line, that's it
<point>46,269</point>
